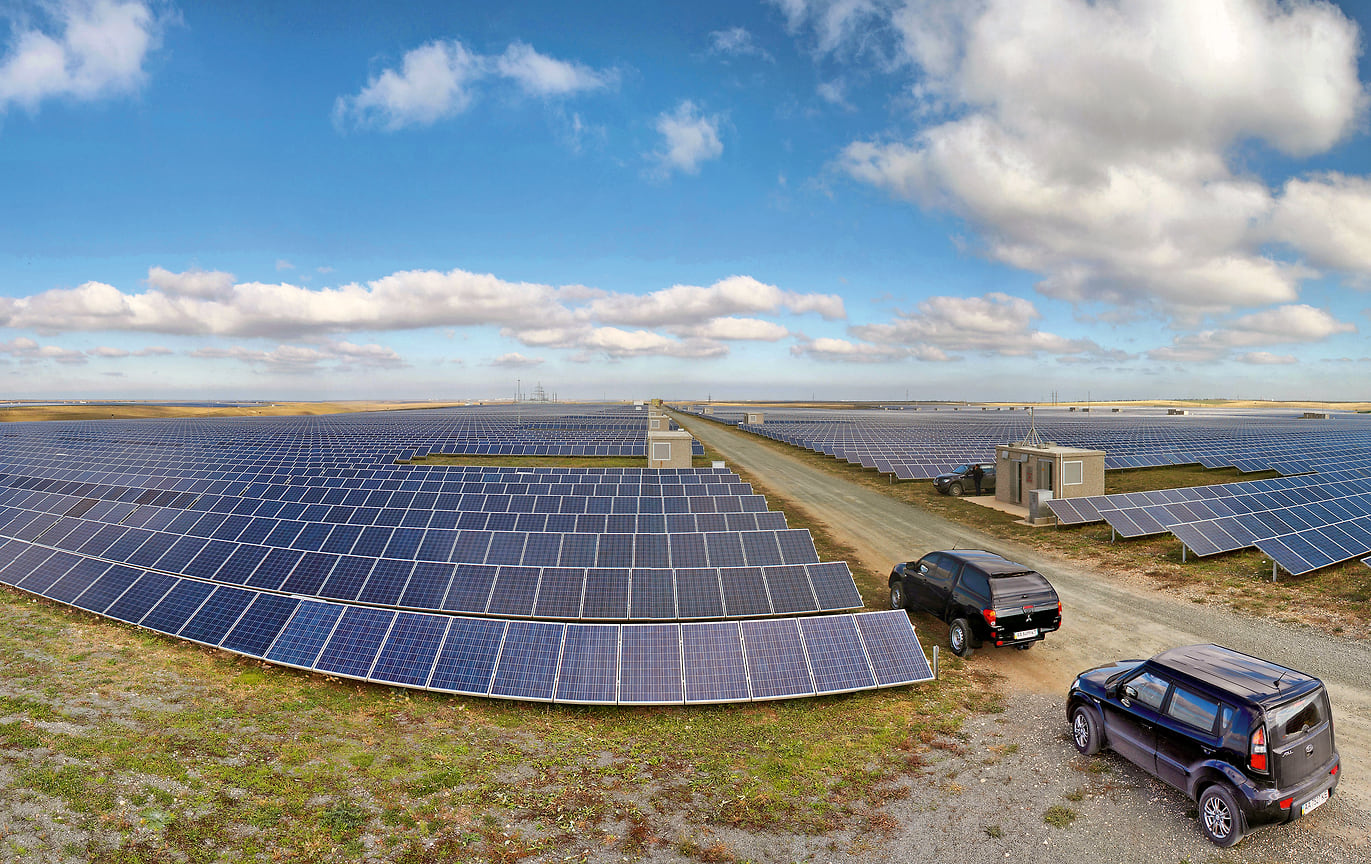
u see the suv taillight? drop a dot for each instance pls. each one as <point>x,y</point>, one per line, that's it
<point>989,616</point>
<point>1258,750</point>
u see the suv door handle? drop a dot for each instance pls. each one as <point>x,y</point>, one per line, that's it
<point>1206,750</point>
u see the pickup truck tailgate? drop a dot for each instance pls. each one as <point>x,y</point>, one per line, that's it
<point>1023,604</point>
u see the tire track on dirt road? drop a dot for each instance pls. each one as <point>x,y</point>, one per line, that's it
<point>1104,617</point>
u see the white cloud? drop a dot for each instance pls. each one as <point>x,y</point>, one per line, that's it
<point>693,304</point>
<point>834,93</point>
<point>28,351</point>
<point>106,351</point>
<point>440,79</point>
<point>93,49</point>
<point>994,324</point>
<point>291,359</point>
<point>283,264</point>
<point>1328,218</point>
<point>515,360</point>
<point>837,24</point>
<point>617,343</point>
<point>736,42</point>
<point>540,75</point>
<point>1283,325</point>
<point>688,139</point>
<point>434,82</point>
<point>1265,358</point>
<point>736,330</point>
<point>845,351</point>
<point>153,351</point>
<point>1091,142</point>
<point>205,284</point>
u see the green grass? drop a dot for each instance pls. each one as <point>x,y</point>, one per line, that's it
<point>1059,816</point>
<point>1334,599</point>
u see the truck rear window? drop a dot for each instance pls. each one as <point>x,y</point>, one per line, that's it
<point>1291,720</point>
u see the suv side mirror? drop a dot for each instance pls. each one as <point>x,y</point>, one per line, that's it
<point>1130,691</point>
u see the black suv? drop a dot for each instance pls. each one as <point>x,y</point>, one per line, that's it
<point>958,481</point>
<point>983,598</point>
<point>1251,741</point>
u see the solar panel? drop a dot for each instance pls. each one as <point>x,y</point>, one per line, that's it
<point>108,588</point>
<point>261,624</point>
<point>220,612</point>
<point>714,670</point>
<point>527,667</point>
<point>652,593</point>
<point>776,662</point>
<point>698,594</point>
<point>744,592</point>
<point>789,590</point>
<point>895,654</point>
<point>836,656</point>
<point>589,668</point>
<point>466,663</point>
<point>351,649</point>
<point>516,590</point>
<point>303,638</point>
<point>141,597</point>
<point>411,649</point>
<point>559,593</point>
<point>606,593</point>
<point>173,611</point>
<point>428,585</point>
<point>650,672</point>
<point>77,580</point>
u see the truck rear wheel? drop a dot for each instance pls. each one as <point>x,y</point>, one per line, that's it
<point>960,639</point>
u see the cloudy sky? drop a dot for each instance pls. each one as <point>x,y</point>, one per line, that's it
<point>994,199</point>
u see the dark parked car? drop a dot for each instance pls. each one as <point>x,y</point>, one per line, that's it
<point>1249,740</point>
<point>985,599</point>
<point>959,481</point>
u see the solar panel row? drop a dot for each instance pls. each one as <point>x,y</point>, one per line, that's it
<point>532,660</point>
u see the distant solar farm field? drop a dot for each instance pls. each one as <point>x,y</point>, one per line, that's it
<point>1315,515</point>
<point>305,542</point>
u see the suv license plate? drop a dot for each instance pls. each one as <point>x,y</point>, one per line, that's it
<point>1025,634</point>
<point>1313,803</point>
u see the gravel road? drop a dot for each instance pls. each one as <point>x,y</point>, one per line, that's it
<point>1106,617</point>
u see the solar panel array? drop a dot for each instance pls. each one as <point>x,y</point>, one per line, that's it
<point>920,444</point>
<point>300,541</point>
<point>1303,523</point>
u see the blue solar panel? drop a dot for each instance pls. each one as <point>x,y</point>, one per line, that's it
<point>698,594</point>
<point>606,594</point>
<point>578,550</point>
<point>714,666</point>
<point>835,654</point>
<point>776,662</point>
<point>789,590</point>
<point>108,588</point>
<point>386,582</point>
<point>77,580</point>
<point>651,666</point>
<point>515,590</point>
<point>652,594</point>
<point>140,598</point>
<point>220,612</point>
<point>352,648</point>
<point>895,654</point>
<point>527,667</point>
<point>302,639</point>
<point>725,550</point>
<point>274,569</point>
<point>410,650</point>
<point>744,592</point>
<point>833,586</point>
<point>260,625</point>
<point>559,593</point>
<point>471,587</point>
<point>760,548</point>
<point>590,664</point>
<point>35,568</point>
<point>466,663</point>
<point>174,610</point>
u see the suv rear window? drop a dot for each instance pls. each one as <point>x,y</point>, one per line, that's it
<point>1193,709</point>
<point>1291,720</point>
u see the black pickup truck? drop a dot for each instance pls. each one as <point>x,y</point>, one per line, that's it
<point>984,598</point>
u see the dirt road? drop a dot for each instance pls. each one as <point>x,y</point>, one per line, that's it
<point>1104,617</point>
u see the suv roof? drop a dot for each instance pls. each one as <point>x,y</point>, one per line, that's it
<point>988,562</point>
<point>1237,673</point>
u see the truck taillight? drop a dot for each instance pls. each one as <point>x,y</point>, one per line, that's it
<point>1059,608</point>
<point>1258,760</point>
<point>989,616</point>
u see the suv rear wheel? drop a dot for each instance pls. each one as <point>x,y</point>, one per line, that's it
<point>960,639</point>
<point>1220,818</point>
<point>897,598</point>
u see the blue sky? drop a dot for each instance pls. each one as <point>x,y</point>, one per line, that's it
<point>860,199</point>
